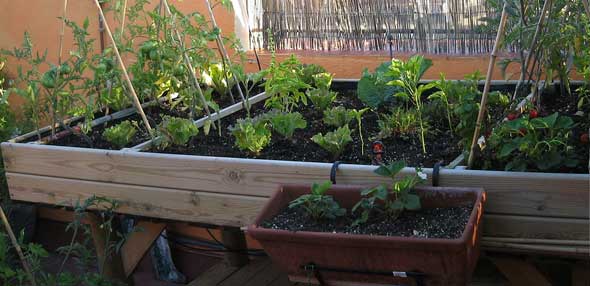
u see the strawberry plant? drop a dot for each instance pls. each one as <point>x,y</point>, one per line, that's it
<point>177,131</point>
<point>317,205</point>
<point>121,134</point>
<point>334,142</point>
<point>286,123</point>
<point>390,201</point>
<point>251,134</point>
<point>541,143</point>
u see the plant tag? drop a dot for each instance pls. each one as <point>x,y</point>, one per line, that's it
<point>481,142</point>
<point>399,274</point>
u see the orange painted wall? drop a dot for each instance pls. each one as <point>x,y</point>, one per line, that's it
<point>40,18</point>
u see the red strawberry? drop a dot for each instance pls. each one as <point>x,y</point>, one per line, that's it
<point>512,116</point>
<point>584,138</point>
<point>522,131</point>
<point>533,113</point>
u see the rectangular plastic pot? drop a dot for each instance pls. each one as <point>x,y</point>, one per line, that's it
<point>343,259</point>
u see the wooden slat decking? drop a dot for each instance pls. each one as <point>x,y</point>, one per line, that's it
<point>262,272</point>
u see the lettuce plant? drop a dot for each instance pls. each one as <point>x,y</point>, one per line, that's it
<point>309,71</point>
<point>286,123</point>
<point>321,99</point>
<point>321,96</point>
<point>251,134</point>
<point>338,116</point>
<point>121,134</point>
<point>390,201</point>
<point>334,142</point>
<point>177,131</point>
<point>318,205</point>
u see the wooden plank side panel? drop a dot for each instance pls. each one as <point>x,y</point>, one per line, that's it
<point>220,209</point>
<point>536,227</point>
<point>532,194</point>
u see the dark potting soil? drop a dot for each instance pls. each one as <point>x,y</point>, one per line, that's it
<point>427,223</point>
<point>153,113</point>
<point>441,145</point>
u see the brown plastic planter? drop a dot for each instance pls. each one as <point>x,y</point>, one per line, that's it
<point>443,261</point>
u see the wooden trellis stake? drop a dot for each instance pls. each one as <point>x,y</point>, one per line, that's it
<point>486,90</point>
<point>187,62</point>
<point>16,246</point>
<point>127,79</point>
<point>223,51</point>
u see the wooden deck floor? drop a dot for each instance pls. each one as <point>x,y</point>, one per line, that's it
<point>261,272</point>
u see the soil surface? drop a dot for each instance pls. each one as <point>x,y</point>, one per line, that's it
<point>427,223</point>
<point>441,144</point>
<point>154,115</point>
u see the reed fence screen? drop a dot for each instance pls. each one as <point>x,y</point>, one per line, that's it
<point>426,26</point>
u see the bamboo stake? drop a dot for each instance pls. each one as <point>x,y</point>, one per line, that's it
<point>486,90</point>
<point>127,79</point>
<point>223,51</point>
<point>525,64</point>
<point>123,16</point>
<point>188,63</point>
<point>16,246</point>
<point>59,56</point>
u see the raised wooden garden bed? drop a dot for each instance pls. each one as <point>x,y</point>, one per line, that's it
<point>525,211</point>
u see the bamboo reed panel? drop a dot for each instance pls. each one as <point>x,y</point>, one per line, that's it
<point>426,26</point>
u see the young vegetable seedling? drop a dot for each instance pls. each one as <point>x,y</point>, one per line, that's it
<point>251,134</point>
<point>318,205</point>
<point>334,142</point>
<point>286,123</point>
<point>177,131</point>
<point>390,201</point>
<point>121,134</point>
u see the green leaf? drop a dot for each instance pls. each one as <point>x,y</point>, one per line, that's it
<point>413,202</point>
<point>507,149</point>
<point>318,189</point>
<point>390,170</point>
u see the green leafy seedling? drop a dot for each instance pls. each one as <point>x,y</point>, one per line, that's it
<point>318,205</point>
<point>334,142</point>
<point>391,201</point>
<point>286,123</point>
<point>121,134</point>
<point>338,116</point>
<point>177,131</point>
<point>251,134</point>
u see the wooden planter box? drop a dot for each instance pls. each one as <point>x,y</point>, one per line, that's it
<point>525,211</point>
